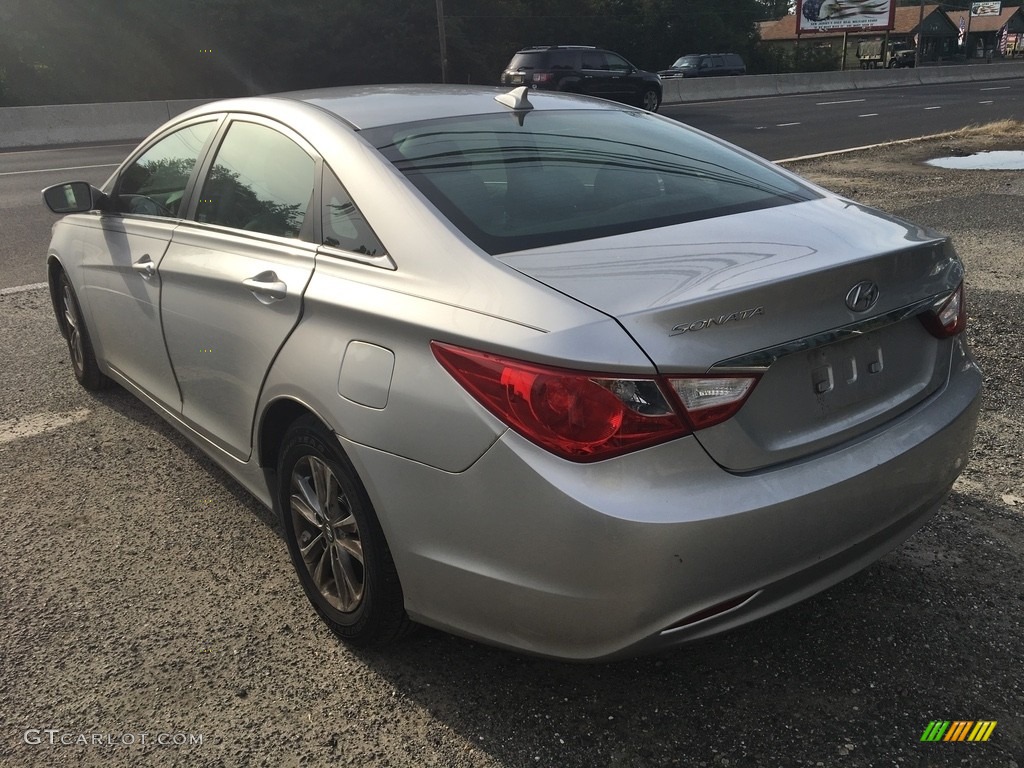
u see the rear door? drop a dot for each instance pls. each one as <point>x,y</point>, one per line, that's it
<point>233,278</point>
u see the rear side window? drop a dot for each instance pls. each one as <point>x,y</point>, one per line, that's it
<point>261,181</point>
<point>565,176</point>
<point>343,224</point>
<point>154,184</point>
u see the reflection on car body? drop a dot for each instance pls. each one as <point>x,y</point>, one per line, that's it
<point>441,331</point>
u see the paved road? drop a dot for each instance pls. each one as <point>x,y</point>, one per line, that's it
<point>24,220</point>
<point>792,126</point>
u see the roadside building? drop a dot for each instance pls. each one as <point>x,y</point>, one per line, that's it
<point>995,35</point>
<point>939,38</point>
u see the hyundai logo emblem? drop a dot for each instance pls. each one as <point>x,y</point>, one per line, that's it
<point>862,296</point>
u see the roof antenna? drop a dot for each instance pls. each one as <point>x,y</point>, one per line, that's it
<point>516,98</point>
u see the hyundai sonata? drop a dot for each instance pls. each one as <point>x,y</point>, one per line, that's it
<point>550,372</point>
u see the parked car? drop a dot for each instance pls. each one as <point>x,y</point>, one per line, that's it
<point>706,65</point>
<point>904,57</point>
<point>533,368</point>
<point>586,70</point>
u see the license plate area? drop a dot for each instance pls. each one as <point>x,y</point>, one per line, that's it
<point>811,400</point>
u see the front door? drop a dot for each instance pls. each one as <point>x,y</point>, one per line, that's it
<point>121,279</point>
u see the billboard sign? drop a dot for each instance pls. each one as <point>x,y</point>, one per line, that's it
<point>986,9</point>
<point>829,15</point>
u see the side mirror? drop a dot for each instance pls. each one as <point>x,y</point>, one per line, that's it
<point>73,197</point>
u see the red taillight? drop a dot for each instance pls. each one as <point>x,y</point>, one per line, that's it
<point>583,416</point>
<point>949,316</point>
<point>543,77</point>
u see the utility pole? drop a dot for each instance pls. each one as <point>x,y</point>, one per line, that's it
<point>920,34</point>
<point>442,41</point>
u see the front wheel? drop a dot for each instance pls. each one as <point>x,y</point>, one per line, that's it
<point>335,540</point>
<point>650,100</point>
<point>72,326</point>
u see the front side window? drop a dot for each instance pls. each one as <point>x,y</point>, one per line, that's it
<point>593,60</point>
<point>154,184</point>
<point>261,181</point>
<point>617,63</point>
<point>566,176</point>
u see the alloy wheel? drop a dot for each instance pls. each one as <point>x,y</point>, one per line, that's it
<point>327,534</point>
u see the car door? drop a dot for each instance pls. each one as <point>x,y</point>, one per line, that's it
<point>625,83</point>
<point>120,278</point>
<point>597,78</point>
<point>234,275</point>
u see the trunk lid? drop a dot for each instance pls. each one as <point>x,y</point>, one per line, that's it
<point>770,288</point>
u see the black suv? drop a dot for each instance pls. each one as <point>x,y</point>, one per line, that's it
<point>583,69</point>
<point>706,65</point>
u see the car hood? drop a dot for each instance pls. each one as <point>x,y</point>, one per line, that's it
<point>696,294</point>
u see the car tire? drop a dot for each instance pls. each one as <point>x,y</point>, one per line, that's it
<point>73,328</point>
<point>650,100</point>
<point>335,540</point>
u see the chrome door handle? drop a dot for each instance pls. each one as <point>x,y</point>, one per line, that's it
<point>145,267</point>
<point>266,287</point>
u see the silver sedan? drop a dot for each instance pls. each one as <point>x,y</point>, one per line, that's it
<point>546,371</point>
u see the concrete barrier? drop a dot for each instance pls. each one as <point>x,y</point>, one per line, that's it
<point>983,72</point>
<point>679,91</point>
<point>958,73</point>
<point>23,127</point>
<point>815,82</point>
<point>884,78</point>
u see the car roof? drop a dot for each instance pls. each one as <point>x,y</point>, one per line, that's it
<point>373,106</point>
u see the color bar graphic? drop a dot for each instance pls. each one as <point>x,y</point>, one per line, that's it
<point>958,730</point>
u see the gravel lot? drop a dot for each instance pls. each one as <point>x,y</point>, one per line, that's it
<point>145,597</point>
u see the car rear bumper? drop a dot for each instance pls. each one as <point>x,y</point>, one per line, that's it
<point>591,561</point>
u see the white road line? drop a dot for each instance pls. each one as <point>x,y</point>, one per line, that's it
<point>785,125</point>
<point>927,108</point>
<point>54,170</point>
<point>997,88</point>
<point>986,102</point>
<point>22,288</point>
<point>38,424</point>
<point>848,101</point>
<point>869,114</point>
<point>73,148</point>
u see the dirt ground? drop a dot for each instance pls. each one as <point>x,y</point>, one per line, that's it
<point>149,615</point>
<point>984,212</point>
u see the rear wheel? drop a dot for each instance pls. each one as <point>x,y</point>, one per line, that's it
<point>83,357</point>
<point>651,100</point>
<point>335,540</point>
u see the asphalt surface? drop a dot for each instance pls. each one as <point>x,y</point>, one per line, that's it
<point>785,127</point>
<point>149,614</point>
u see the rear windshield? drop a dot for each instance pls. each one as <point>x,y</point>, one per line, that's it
<point>565,176</point>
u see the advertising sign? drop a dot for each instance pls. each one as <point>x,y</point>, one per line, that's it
<point>986,9</point>
<point>829,15</point>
